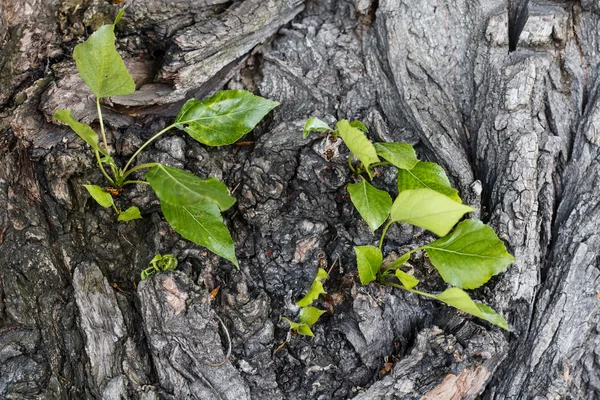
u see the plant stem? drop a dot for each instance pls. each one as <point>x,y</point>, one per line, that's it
<point>379,164</point>
<point>395,264</point>
<point>138,167</point>
<point>99,109</point>
<point>392,284</point>
<point>350,163</point>
<point>146,144</point>
<point>383,234</point>
<point>102,168</point>
<point>132,182</point>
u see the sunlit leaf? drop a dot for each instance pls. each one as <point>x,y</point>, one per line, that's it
<point>359,125</point>
<point>358,143</point>
<point>84,131</point>
<point>470,255</point>
<point>316,125</point>
<point>426,175</point>
<point>458,298</point>
<point>223,118</point>
<point>402,155</point>
<point>408,280</point>
<point>183,188</point>
<point>129,214</point>
<point>316,289</point>
<point>368,260</point>
<point>310,315</point>
<point>373,205</point>
<point>428,209</point>
<point>300,328</point>
<point>201,223</point>
<point>101,66</point>
<point>101,196</point>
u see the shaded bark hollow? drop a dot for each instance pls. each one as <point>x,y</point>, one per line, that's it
<point>517,134</point>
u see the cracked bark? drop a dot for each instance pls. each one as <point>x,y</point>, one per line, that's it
<point>517,133</point>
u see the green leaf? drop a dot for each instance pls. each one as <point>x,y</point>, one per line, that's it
<point>299,327</point>
<point>426,175</point>
<point>402,155</point>
<point>470,255</point>
<point>408,280</point>
<point>129,214</point>
<point>373,205</point>
<point>100,66</point>
<point>359,125</point>
<point>368,260</point>
<point>316,289</point>
<point>101,196</point>
<point>119,16</point>
<point>202,224</point>
<point>458,298</point>
<point>315,124</point>
<point>428,209</point>
<point>84,131</point>
<point>164,262</point>
<point>223,118</point>
<point>310,315</point>
<point>183,188</point>
<point>358,143</point>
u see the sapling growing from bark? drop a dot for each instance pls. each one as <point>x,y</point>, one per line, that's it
<point>191,205</point>
<point>467,253</point>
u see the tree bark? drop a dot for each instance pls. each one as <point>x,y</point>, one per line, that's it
<point>516,132</point>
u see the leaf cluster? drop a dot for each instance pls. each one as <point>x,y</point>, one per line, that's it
<point>466,255</point>
<point>192,205</point>
<point>309,315</point>
<point>160,263</point>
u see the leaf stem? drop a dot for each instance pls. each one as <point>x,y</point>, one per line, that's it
<point>350,163</point>
<point>101,124</point>
<point>379,164</point>
<point>138,167</point>
<point>383,234</point>
<point>146,144</point>
<point>396,264</point>
<point>132,182</point>
<point>397,286</point>
<point>102,168</point>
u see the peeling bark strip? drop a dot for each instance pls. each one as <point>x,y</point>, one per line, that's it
<point>517,133</point>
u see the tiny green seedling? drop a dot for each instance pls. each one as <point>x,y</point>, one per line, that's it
<point>191,205</point>
<point>466,255</point>
<point>160,263</point>
<point>309,315</point>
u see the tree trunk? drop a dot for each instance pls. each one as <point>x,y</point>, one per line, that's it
<point>516,132</point>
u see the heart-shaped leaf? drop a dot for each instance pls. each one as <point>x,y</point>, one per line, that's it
<point>358,143</point>
<point>458,298</point>
<point>402,155</point>
<point>101,66</point>
<point>84,131</point>
<point>223,118</point>
<point>470,255</point>
<point>316,125</point>
<point>130,214</point>
<point>373,205</point>
<point>426,175</point>
<point>201,223</point>
<point>428,209</point>
<point>183,188</point>
<point>368,260</point>
<point>101,196</point>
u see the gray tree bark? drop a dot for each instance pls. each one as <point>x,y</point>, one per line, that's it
<point>517,133</point>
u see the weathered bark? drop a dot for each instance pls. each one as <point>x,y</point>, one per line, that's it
<point>517,133</point>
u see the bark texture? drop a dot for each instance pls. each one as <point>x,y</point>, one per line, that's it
<point>517,133</point>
